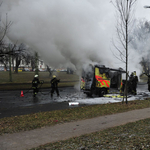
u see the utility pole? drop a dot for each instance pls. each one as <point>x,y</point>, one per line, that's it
<point>10,73</point>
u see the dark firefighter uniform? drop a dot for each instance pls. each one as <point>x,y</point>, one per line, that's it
<point>148,82</point>
<point>130,84</point>
<point>133,80</point>
<point>54,85</point>
<point>35,83</point>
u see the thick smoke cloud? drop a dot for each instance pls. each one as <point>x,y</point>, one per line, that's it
<point>61,31</point>
<point>68,32</point>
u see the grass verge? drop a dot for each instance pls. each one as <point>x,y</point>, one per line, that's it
<point>6,87</point>
<point>23,80</point>
<point>132,136</point>
<point>27,77</point>
<point>38,120</point>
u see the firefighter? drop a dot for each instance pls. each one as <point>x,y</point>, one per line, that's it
<point>131,76</point>
<point>148,82</point>
<point>35,83</point>
<point>54,85</point>
<point>122,87</point>
<point>135,81</point>
<point>130,83</point>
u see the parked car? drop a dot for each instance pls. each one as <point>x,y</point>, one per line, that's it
<point>42,69</point>
<point>26,69</point>
<point>1,69</point>
<point>19,70</point>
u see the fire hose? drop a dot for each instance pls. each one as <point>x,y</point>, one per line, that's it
<point>41,83</point>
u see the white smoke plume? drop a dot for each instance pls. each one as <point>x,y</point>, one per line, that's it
<point>64,32</point>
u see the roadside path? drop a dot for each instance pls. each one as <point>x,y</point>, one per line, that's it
<point>34,138</point>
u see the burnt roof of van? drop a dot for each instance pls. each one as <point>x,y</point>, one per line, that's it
<point>112,69</point>
<point>119,69</point>
<point>101,66</point>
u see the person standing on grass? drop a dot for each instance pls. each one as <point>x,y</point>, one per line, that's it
<point>148,82</point>
<point>54,85</point>
<point>35,83</point>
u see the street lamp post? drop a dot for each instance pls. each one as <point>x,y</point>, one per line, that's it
<point>146,6</point>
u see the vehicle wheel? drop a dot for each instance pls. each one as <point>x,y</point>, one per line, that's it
<point>89,94</point>
<point>102,92</point>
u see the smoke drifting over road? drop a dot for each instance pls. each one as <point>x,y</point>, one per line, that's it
<point>68,32</point>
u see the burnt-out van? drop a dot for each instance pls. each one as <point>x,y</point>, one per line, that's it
<point>98,79</point>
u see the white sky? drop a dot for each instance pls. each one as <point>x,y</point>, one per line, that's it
<point>141,12</point>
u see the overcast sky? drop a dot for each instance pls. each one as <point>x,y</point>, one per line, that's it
<point>142,12</point>
<point>68,32</point>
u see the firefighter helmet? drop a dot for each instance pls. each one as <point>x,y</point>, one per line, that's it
<point>36,76</point>
<point>54,76</point>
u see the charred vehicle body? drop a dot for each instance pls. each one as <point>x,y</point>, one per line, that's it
<point>98,79</point>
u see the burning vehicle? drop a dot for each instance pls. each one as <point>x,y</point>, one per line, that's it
<point>98,80</point>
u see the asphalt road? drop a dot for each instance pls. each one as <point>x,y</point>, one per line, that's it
<point>11,104</point>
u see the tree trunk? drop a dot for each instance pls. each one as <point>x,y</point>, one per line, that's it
<point>16,66</point>
<point>10,74</point>
<point>36,63</point>
<point>126,87</point>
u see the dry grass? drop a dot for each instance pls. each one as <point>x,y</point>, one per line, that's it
<point>132,136</point>
<point>27,77</point>
<point>23,80</point>
<point>38,120</point>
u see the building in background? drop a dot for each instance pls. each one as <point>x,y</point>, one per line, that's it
<point>24,66</point>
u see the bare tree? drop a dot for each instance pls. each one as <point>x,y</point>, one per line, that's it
<point>140,42</point>
<point>33,62</point>
<point>6,51</point>
<point>3,31</point>
<point>140,36</point>
<point>125,13</point>
<point>146,65</point>
<point>3,57</point>
<point>19,54</point>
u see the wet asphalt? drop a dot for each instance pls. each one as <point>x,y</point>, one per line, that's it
<point>12,104</point>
